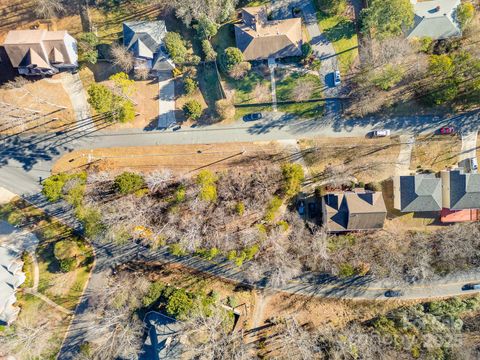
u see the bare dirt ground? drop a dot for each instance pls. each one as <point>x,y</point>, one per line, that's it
<point>42,105</point>
<point>366,159</point>
<point>435,152</point>
<point>177,158</point>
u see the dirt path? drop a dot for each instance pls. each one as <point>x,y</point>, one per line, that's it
<point>48,301</point>
<point>261,300</point>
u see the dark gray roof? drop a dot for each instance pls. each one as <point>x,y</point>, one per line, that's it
<point>420,193</point>
<point>434,28</point>
<point>145,40</point>
<point>464,190</point>
<point>163,341</point>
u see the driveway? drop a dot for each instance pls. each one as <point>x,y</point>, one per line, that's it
<point>402,166</point>
<point>74,87</point>
<point>166,101</point>
<point>469,148</point>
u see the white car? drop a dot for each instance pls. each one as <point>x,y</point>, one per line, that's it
<point>336,78</point>
<point>381,133</point>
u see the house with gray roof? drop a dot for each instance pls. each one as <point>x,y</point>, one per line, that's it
<point>163,339</point>
<point>145,40</point>
<point>353,211</point>
<point>417,193</point>
<point>460,190</point>
<point>435,19</point>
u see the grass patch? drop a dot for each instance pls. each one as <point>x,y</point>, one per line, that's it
<point>303,110</point>
<point>209,84</point>
<point>341,32</point>
<point>286,86</point>
<point>244,87</point>
<point>242,111</point>
<point>224,38</point>
<point>435,152</point>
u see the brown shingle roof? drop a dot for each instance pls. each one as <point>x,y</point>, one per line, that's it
<point>48,45</point>
<point>260,39</point>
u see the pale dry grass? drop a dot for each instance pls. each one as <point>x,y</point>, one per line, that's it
<point>435,152</point>
<point>178,158</point>
<point>365,159</point>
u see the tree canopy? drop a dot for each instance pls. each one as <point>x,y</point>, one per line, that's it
<point>176,47</point>
<point>387,18</point>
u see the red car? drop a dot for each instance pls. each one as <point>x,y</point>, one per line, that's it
<point>447,130</point>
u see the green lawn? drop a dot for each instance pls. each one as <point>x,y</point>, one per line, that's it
<point>242,111</point>
<point>303,110</point>
<point>209,84</point>
<point>244,87</point>
<point>341,32</point>
<point>224,38</point>
<point>286,86</point>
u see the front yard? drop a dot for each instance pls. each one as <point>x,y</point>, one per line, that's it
<point>41,323</point>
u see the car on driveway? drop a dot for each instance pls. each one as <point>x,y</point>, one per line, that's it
<point>380,133</point>
<point>447,130</point>
<point>252,117</point>
<point>467,287</point>
<point>336,78</point>
<point>393,293</point>
<point>473,164</point>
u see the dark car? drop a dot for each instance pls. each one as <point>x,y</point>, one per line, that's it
<point>393,293</point>
<point>176,128</point>
<point>447,130</point>
<point>471,287</point>
<point>312,210</point>
<point>301,207</point>
<point>252,117</point>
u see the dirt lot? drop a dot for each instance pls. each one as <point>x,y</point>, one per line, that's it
<point>41,105</point>
<point>178,158</point>
<point>366,159</point>
<point>435,152</point>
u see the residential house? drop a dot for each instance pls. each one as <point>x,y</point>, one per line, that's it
<point>435,19</point>
<point>259,38</point>
<point>11,277</point>
<point>41,52</point>
<point>417,193</point>
<point>145,39</point>
<point>461,190</point>
<point>353,211</point>
<point>164,337</point>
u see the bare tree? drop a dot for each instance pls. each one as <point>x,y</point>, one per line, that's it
<point>261,92</point>
<point>141,73</point>
<point>303,90</point>
<point>48,8</point>
<point>121,57</point>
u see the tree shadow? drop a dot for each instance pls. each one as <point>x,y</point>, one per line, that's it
<point>345,29</point>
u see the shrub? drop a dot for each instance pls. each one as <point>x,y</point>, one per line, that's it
<point>179,304</point>
<point>180,194</point>
<point>320,191</point>
<point>208,254</point>
<point>176,48</point>
<point>293,176</point>
<point>176,250</point>
<point>66,249</point>
<point>100,97</point>
<point>232,301</point>
<point>425,44</point>
<point>240,208</point>
<point>128,182</point>
<point>67,265</point>
<point>91,219</point>
<point>153,294</point>
<point>283,224</point>
<point>251,251</point>
<point>53,185</point>
<point>361,184</point>
<point>373,186</point>
<point>176,72</point>
<point>465,14</point>
<point>307,50</point>
<point>239,71</point>
<point>346,270</point>
<point>272,208</point>
<point>208,189</point>
<point>190,85</point>
<point>230,57</point>
<point>192,109</point>
<point>208,51</point>
<point>388,77</point>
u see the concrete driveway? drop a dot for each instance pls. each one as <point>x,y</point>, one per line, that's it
<point>166,101</point>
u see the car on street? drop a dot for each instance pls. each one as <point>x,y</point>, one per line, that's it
<point>336,78</point>
<point>252,117</point>
<point>312,210</point>
<point>381,133</point>
<point>447,130</point>
<point>467,287</point>
<point>301,207</point>
<point>393,293</point>
<point>176,128</point>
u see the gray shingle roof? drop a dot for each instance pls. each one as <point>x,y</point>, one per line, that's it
<point>464,190</point>
<point>145,40</point>
<point>436,28</point>
<point>420,193</point>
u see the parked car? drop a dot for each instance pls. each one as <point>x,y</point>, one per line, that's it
<point>381,133</point>
<point>312,210</point>
<point>471,287</point>
<point>252,117</point>
<point>176,128</point>
<point>301,207</point>
<point>393,293</point>
<point>336,78</point>
<point>447,130</point>
<point>473,164</point>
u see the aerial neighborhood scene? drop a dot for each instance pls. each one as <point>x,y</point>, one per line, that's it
<point>239,179</point>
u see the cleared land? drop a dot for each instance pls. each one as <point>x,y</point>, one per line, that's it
<point>178,158</point>
<point>435,153</point>
<point>37,106</point>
